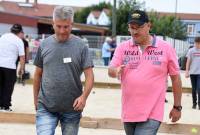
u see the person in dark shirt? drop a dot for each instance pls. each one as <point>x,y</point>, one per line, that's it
<point>26,49</point>
<point>113,45</point>
<point>21,79</point>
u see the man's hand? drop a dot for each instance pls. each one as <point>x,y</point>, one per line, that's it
<point>119,71</point>
<point>21,72</point>
<point>36,85</point>
<point>187,74</point>
<point>79,103</point>
<point>174,115</point>
<point>35,104</point>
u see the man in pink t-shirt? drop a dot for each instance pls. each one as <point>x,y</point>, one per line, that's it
<point>143,64</point>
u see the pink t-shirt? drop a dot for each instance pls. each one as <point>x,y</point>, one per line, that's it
<point>143,80</point>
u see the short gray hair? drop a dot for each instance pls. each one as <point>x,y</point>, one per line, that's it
<point>63,13</point>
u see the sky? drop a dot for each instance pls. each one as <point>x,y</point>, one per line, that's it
<point>183,6</point>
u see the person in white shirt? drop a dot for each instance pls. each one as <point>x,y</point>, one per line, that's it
<point>11,46</point>
<point>193,71</point>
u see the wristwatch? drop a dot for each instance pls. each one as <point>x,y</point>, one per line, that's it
<point>178,108</point>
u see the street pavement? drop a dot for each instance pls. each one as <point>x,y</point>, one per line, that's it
<point>102,103</point>
<point>101,76</point>
<point>29,129</point>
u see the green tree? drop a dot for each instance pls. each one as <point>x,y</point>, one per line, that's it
<point>81,16</point>
<point>167,26</point>
<point>101,6</point>
<point>123,11</point>
<point>180,30</point>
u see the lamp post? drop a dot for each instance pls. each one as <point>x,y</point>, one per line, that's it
<point>176,4</point>
<point>175,14</point>
<point>114,18</point>
<point>135,5</point>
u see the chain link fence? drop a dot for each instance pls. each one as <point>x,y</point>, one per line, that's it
<point>95,44</point>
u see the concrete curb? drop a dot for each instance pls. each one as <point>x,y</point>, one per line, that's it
<point>102,123</point>
<point>117,86</point>
<point>10,117</point>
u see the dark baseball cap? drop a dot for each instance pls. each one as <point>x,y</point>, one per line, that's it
<point>139,17</point>
<point>16,28</point>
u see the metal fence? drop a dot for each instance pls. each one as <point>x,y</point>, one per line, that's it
<point>180,46</point>
<point>95,44</point>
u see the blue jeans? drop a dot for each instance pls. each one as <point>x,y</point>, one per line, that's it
<point>149,127</point>
<point>106,61</point>
<point>195,81</point>
<point>46,122</point>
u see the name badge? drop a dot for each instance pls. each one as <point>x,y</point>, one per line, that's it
<point>156,62</point>
<point>67,60</point>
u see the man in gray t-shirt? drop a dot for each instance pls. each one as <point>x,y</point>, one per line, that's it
<point>193,71</point>
<point>60,61</point>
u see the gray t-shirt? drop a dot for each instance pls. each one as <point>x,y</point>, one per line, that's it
<point>194,55</point>
<point>62,64</point>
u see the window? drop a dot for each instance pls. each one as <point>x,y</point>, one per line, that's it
<point>190,29</point>
<point>191,40</point>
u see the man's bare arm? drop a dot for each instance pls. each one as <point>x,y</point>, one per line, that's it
<point>177,89</point>
<point>115,71</point>
<point>22,65</point>
<point>89,81</point>
<point>80,102</point>
<point>36,84</point>
<point>175,114</point>
<point>187,67</point>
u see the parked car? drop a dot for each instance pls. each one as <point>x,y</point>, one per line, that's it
<point>182,62</point>
<point>183,59</point>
